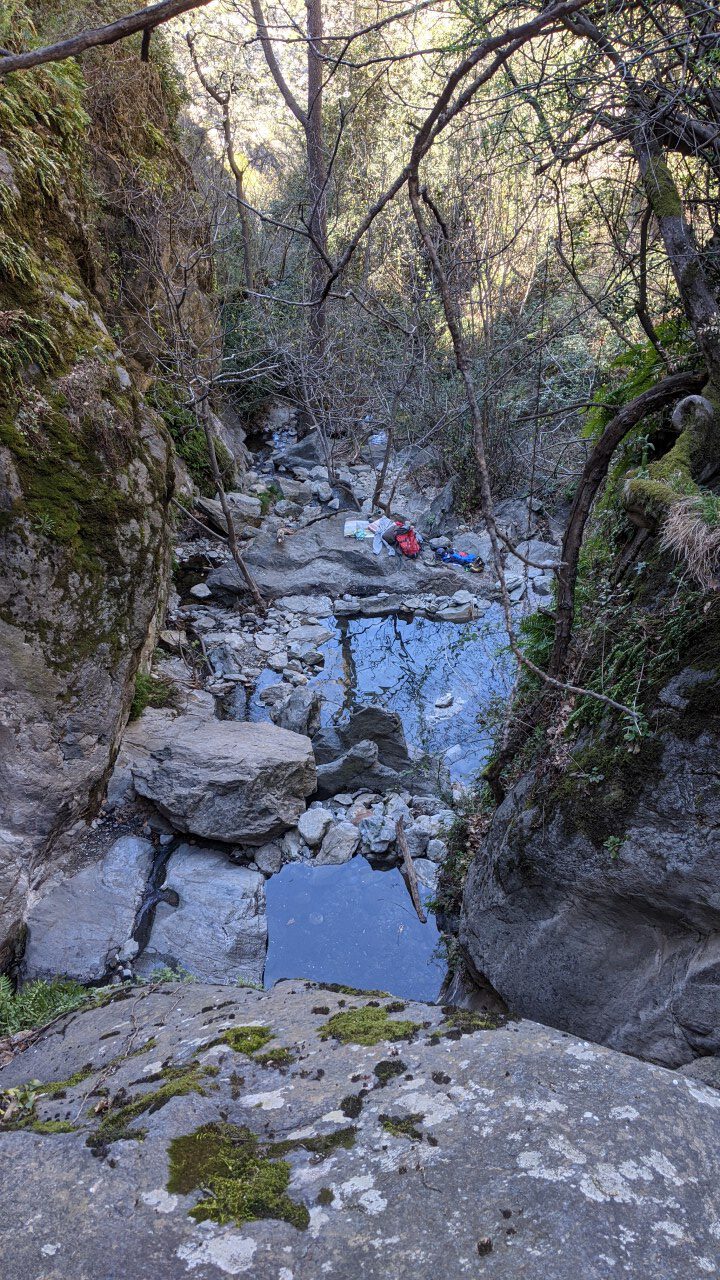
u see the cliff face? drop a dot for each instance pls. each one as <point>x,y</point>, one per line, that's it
<point>86,465</point>
<point>594,904</point>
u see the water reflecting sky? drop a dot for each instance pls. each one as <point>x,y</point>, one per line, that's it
<point>352,925</point>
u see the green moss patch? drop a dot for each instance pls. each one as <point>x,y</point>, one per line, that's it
<point>351,991</point>
<point>352,1105</point>
<point>367,1025</point>
<point>52,1126</point>
<point>277,1058</point>
<point>120,1119</point>
<point>247,1039</point>
<point>241,1181</point>
<point>403,1126</point>
<point>321,1145</point>
<point>465,1022</point>
<point>388,1068</point>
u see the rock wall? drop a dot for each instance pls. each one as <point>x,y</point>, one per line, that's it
<point>86,465</point>
<point>594,905</point>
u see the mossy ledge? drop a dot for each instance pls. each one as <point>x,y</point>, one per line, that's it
<point>123,1112</point>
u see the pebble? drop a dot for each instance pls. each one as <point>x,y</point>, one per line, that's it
<point>201,591</point>
<point>445,700</point>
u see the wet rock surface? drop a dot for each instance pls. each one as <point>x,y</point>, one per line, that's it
<point>449,1151</point>
<point>217,932</point>
<point>320,559</point>
<point>78,923</point>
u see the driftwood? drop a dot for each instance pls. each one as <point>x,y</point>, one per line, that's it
<point>409,870</point>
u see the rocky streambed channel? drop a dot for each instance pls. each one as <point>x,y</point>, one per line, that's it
<point>283,805</point>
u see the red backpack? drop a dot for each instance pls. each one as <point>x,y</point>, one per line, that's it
<point>408,543</point>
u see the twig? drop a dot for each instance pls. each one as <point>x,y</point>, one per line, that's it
<point>205,527</point>
<point>410,872</point>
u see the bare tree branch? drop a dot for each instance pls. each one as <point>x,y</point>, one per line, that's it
<point>143,20</point>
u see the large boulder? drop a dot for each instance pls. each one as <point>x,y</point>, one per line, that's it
<point>221,779</point>
<point>455,1151</point>
<point>319,559</point>
<point>78,925</point>
<point>218,930</point>
<point>596,907</point>
<point>542,554</point>
<point>358,768</point>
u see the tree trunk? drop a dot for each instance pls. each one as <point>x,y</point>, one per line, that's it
<point>238,174</point>
<point>317,172</point>
<point>697,297</point>
<point>594,473</point>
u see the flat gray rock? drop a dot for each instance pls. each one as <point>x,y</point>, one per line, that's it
<point>517,1152</point>
<point>223,780</point>
<point>75,927</point>
<point>218,931</point>
<point>320,560</point>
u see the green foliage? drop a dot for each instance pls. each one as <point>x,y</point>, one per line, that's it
<point>272,494</point>
<point>707,505</point>
<point>189,438</point>
<point>151,691</point>
<point>367,1025</point>
<point>613,845</point>
<point>37,1003</point>
<point>245,343</point>
<point>536,635</point>
<point>43,122</point>
<point>24,341</point>
<point>240,1180</point>
<point>638,368</point>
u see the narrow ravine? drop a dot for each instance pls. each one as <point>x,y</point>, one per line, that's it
<point>355,712</point>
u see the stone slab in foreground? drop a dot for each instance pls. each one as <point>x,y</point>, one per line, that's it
<point>517,1152</point>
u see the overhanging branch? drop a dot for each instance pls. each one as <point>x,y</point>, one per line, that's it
<point>143,20</point>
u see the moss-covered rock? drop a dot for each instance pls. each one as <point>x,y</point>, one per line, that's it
<point>86,463</point>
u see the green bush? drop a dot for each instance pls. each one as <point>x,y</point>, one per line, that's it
<point>189,439</point>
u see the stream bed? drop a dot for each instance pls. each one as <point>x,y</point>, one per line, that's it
<point>352,924</point>
<point>408,663</point>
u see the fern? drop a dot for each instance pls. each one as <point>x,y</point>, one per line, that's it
<point>38,1003</point>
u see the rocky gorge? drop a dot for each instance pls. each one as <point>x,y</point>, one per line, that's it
<point>266,752</point>
<point>343,930</point>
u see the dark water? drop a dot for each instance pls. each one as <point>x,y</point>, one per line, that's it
<point>352,925</point>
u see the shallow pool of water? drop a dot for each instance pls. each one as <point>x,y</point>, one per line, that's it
<point>352,925</point>
<point>407,663</point>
